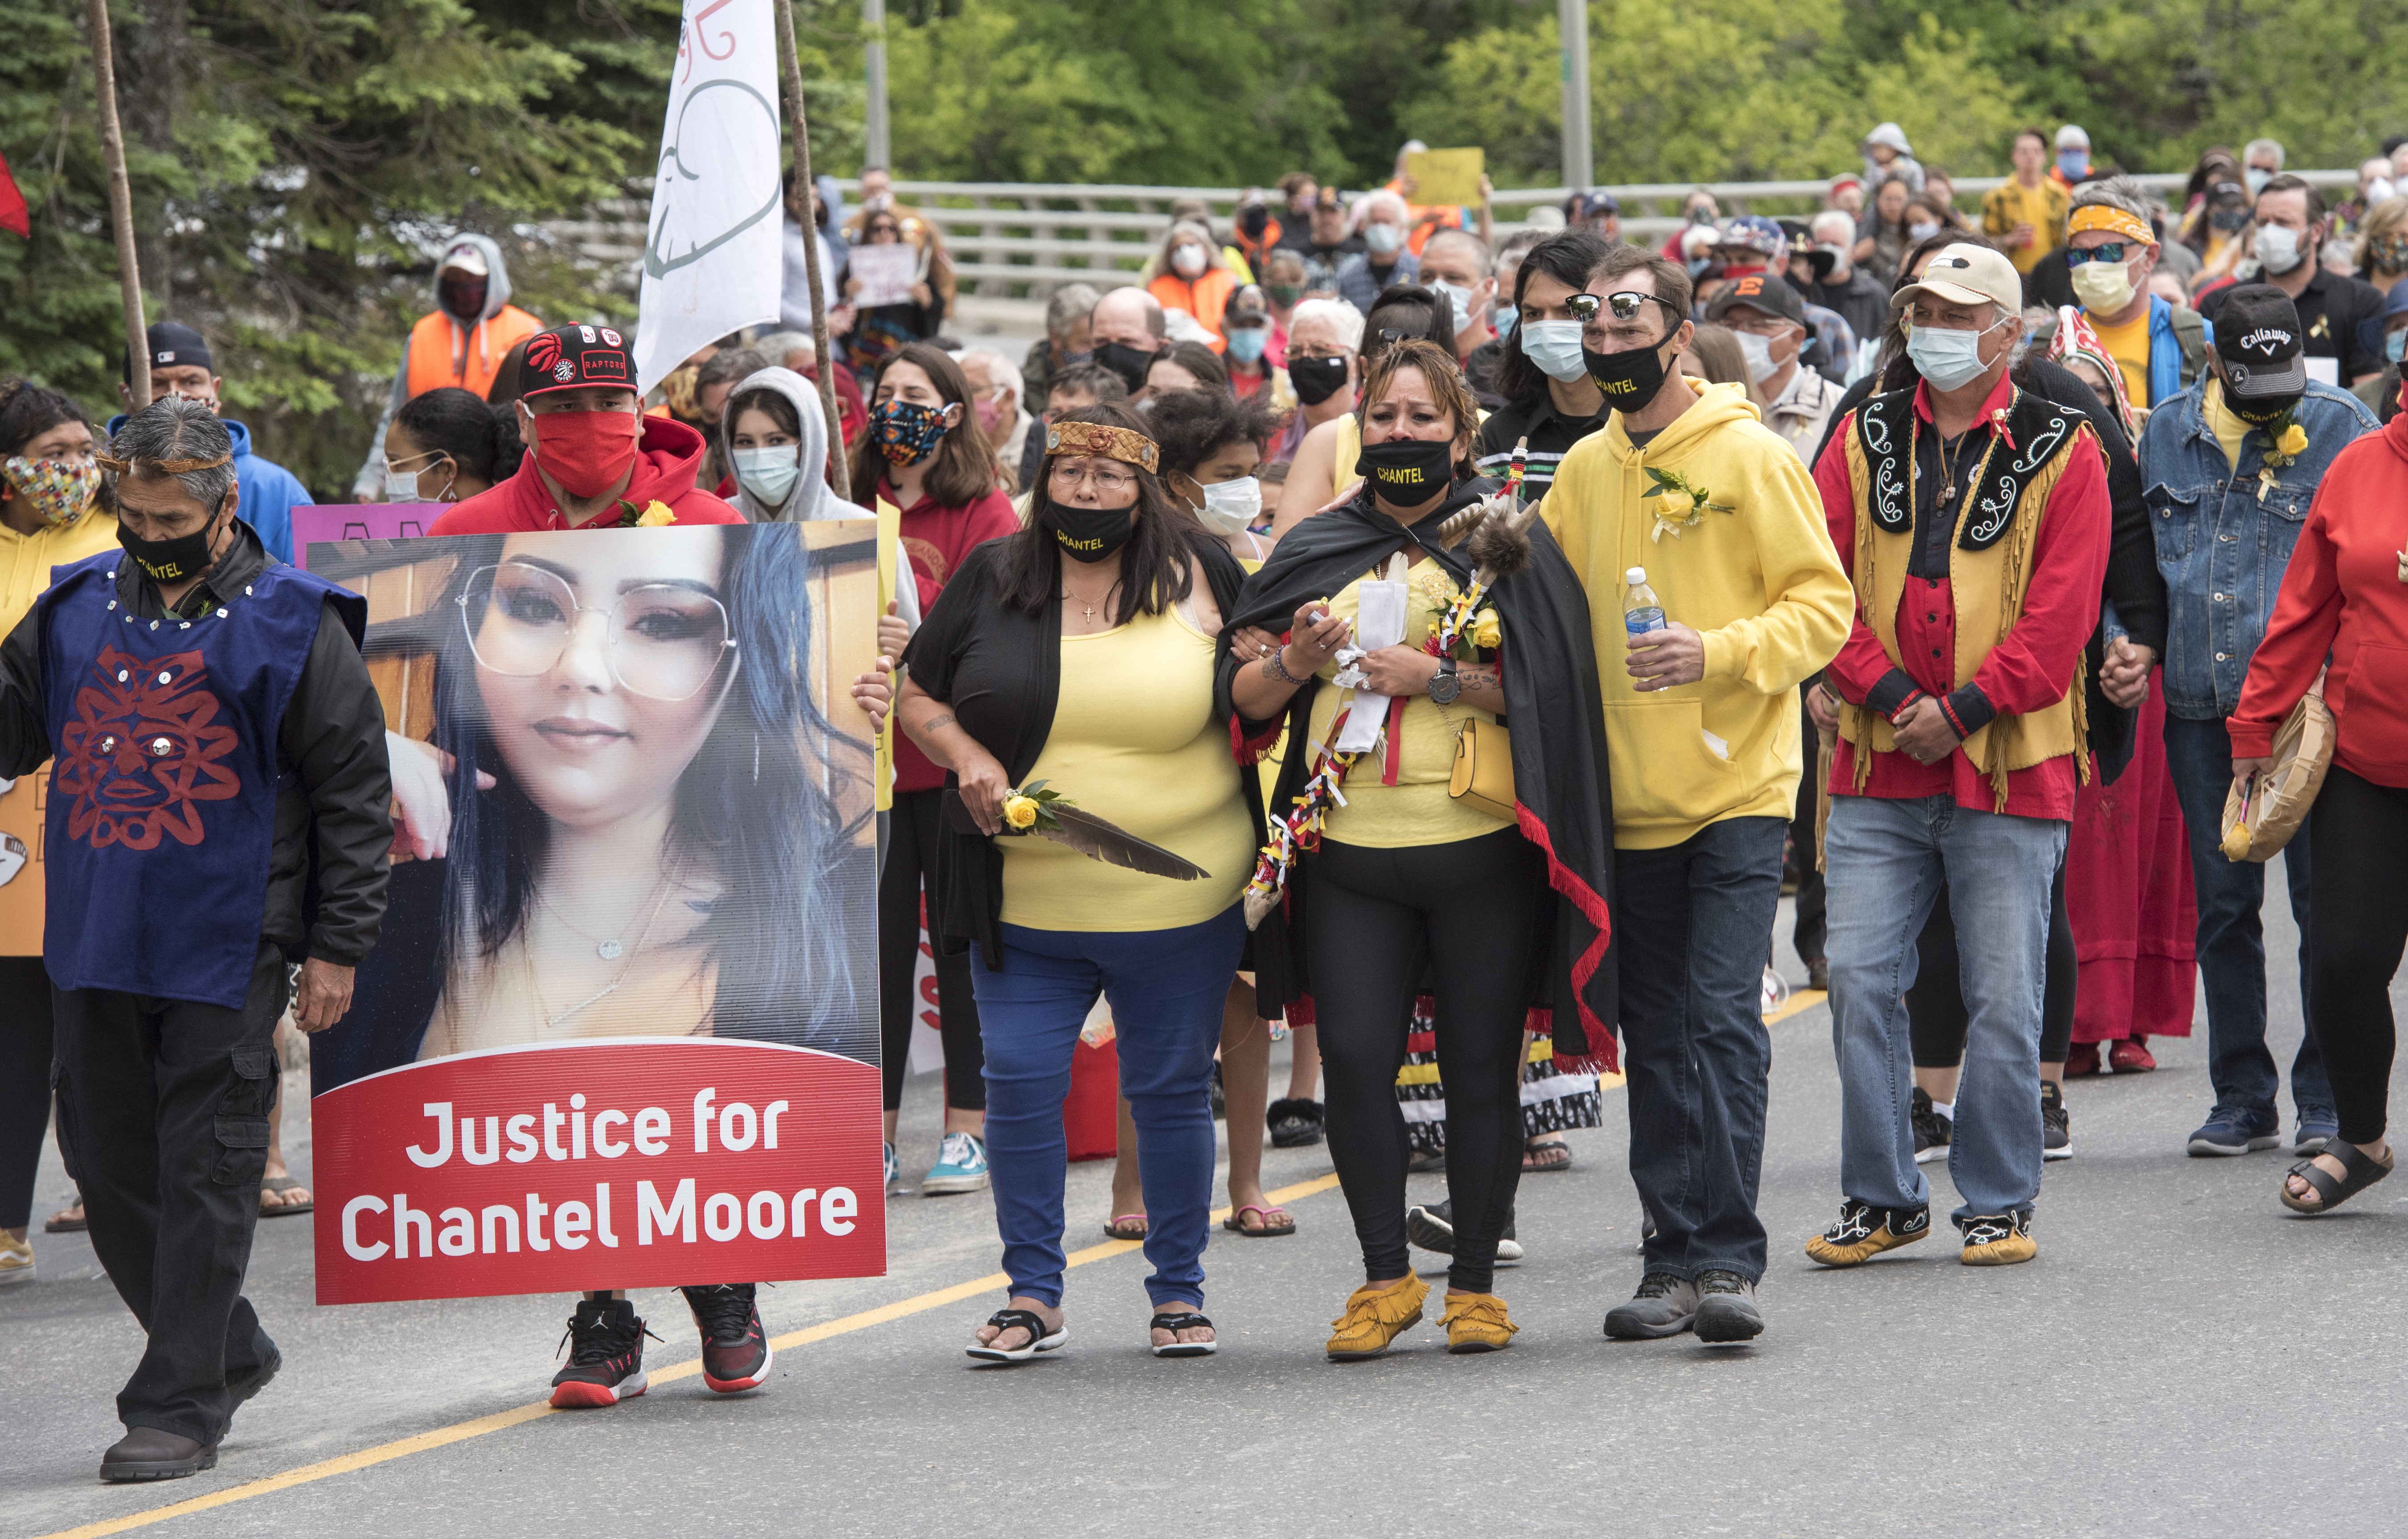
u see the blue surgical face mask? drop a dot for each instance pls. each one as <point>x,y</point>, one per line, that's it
<point>1505,323</point>
<point>1458,303</point>
<point>1949,359</point>
<point>1382,239</point>
<point>1246,343</point>
<point>769,474</point>
<point>2257,177</point>
<point>2074,164</point>
<point>2392,344</point>
<point>1554,346</point>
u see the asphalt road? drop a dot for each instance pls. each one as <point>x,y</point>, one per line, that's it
<point>2184,1357</point>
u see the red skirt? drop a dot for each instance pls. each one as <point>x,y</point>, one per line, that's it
<point>2128,891</point>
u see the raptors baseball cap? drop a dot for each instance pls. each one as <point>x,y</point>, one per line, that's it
<point>2258,337</point>
<point>576,357</point>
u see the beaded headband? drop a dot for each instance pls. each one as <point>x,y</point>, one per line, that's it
<point>1103,439</point>
<point>2100,216</point>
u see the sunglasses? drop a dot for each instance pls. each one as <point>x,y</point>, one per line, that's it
<point>1625,306</point>
<point>2109,250</point>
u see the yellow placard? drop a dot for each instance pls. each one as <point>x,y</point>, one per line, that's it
<point>890,536</point>
<point>1446,176</point>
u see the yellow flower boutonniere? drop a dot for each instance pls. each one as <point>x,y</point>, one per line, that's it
<point>1672,486</point>
<point>1031,807</point>
<point>1020,811</point>
<point>651,515</point>
<point>2293,442</point>
<point>1488,630</point>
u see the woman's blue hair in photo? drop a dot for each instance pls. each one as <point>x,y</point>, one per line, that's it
<point>757,806</point>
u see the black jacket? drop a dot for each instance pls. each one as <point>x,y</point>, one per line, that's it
<point>999,668</point>
<point>2134,584</point>
<point>327,866</point>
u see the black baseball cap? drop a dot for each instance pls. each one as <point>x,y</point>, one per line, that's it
<point>173,346</point>
<point>1762,291</point>
<point>2258,337</point>
<point>575,358</point>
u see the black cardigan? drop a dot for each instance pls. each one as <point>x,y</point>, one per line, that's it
<point>999,669</point>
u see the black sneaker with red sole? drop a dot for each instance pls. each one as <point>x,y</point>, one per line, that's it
<point>735,1349</point>
<point>605,1357</point>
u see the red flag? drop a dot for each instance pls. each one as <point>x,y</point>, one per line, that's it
<point>12,204</point>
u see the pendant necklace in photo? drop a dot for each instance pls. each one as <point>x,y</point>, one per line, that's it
<point>553,1022</point>
<point>611,948</point>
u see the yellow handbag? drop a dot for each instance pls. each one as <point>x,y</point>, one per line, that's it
<point>1483,768</point>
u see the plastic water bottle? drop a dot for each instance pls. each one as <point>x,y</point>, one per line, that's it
<point>1642,612</point>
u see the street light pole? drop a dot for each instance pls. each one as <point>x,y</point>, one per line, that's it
<point>1572,22</point>
<point>875,151</point>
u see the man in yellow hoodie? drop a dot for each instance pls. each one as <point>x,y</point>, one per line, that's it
<point>1702,735</point>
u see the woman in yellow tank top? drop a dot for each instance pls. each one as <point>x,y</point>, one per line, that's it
<point>1079,651</point>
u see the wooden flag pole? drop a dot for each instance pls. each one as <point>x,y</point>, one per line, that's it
<point>121,202</point>
<point>800,127</point>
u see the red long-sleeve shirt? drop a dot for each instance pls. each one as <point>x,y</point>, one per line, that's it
<point>936,538</point>
<point>2030,668</point>
<point>2346,592</point>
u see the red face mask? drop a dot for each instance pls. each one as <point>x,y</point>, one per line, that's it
<point>586,451</point>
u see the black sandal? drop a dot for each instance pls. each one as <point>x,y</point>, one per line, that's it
<point>1294,1123</point>
<point>1041,1337</point>
<point>2362,1173</point>
<point>1176,1321</point>
<point>1533,1166</point>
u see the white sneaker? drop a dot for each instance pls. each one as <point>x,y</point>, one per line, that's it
<point>16,1261</point>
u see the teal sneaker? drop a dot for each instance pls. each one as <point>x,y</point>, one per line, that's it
<point>894,1166</point>
<point>960,1166</point>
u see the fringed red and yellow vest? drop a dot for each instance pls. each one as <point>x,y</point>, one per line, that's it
<point>1989,567</point>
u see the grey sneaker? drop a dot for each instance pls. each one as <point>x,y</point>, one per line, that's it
<point>1663,1306</point>
<point>1727,1308</point>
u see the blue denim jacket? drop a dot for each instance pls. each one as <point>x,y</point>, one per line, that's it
<point>2220,546</point>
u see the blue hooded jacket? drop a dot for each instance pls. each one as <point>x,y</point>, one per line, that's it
<point>266,493</point>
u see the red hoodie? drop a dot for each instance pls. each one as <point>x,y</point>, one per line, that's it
<point>667,457</point>
<point>2344,595</point>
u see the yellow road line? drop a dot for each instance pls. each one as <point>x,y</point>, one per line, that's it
<point>1799,1002</point>
<point>461,1431</point>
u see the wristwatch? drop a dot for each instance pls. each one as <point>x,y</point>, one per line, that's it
<point>1443,685</point>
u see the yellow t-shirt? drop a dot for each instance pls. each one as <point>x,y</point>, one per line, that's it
<point>1416,810</point>
<point>2043,207</point>
<point>2228,429</point>
<point>2129,345</point>
<point>1349,450</point>
<point>1135,742</point>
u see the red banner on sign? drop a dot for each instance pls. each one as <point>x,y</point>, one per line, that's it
<point>612,1164</point>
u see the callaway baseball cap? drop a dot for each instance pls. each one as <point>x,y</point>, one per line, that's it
<point>575,357</point>
<point>2257,336</point>
<point>1967,275</point>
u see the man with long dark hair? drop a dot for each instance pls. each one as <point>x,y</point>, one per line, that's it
<point>1549,397</point>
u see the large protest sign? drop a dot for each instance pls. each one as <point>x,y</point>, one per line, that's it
<point>714,255</point>
<point>621,1030</point>
<point>327,522</point>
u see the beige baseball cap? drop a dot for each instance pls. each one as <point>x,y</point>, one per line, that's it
<point>1967,275</point>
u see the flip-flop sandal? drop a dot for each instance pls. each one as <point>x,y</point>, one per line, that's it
<point>1175,1321</point>
<point>280,1184</point>
<point>1236,1222</point>
<point>2362,1173</point>
<point>67,1220</point>
<point>1530,1167</point>
<point>1041,1337</point>
<point>1118,1228</point>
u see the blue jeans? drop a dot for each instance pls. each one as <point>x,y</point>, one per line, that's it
<point>1885,860</point>
<point>1167,987</point>
<point>2231,939</point>
<point>1694,931</point>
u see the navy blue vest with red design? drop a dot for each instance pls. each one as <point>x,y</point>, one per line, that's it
<point>162,814</point>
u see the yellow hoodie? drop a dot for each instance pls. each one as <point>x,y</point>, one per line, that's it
<point>26,560</point>
<point>1754,575</point>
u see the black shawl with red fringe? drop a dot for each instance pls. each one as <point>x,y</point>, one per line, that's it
<point>1556,715</point>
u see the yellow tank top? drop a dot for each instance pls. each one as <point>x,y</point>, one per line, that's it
<point>1134,740</point>
<point>1349,450</point>
<point>1417,809</point>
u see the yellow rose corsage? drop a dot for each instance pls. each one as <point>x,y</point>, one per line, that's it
<point>655,513</point>
<point>1488,630</point>
<point>1020,811</point>
<point>1031,807</point>
<point>2294,441</point>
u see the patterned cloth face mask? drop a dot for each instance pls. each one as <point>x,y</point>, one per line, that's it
<point>907,431</point>
<point>60,490</point>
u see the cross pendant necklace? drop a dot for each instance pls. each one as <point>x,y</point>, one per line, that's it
<point>1087,611</point>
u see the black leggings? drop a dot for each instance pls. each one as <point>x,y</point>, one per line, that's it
<point>1375,919</point>
<point>910,856</point>
<point>2358,849</point>
<point>25,1082</point>
<point>1935,1006</point>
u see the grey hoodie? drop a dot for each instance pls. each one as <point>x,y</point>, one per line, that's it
<point>370,481</point>
<point>811,497</point>
<point>1890,135</point>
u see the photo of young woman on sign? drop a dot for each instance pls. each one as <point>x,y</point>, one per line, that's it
<point>621,806</point>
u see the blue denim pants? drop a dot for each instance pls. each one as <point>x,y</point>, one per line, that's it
<point>1885,860</point>
<point>1694,931</point>
<point>2232,939</point>
<point>1167,987</point>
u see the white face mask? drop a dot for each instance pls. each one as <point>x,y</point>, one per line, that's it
<point>2257,177</point>
<point>2381,189</point>
<point>1554,346</point>
<point>401,486</point>
<point>2104,288</point>
<point>1231,506</point>
<point>1382,239</point>
<point>1761,365</point>
<point>1187,259</point>
<point>1459,301</point>
<point>2277,248</point>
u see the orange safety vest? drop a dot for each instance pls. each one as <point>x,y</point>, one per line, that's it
<point>434,340</point>
<point>1204,300</point>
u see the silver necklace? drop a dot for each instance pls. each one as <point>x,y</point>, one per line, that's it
<point>610,949</point>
